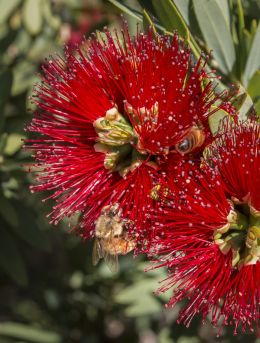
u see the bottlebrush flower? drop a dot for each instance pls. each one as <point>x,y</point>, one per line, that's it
<point>207,231</point>
<point>109,116</point>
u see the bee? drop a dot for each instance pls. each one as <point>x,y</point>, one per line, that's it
<point>111,237</point>
<point>194,139</point>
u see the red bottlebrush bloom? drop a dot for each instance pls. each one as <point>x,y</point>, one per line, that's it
<point>108,115</point>
<point>208,231</point>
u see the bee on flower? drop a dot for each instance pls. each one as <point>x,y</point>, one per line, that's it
<point>111,237</point>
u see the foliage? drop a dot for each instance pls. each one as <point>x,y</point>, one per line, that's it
<point>50,292</point>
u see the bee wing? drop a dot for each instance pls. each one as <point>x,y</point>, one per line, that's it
<point>112,262</point>
<point>97,252</point>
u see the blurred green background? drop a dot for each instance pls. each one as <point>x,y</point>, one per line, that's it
<point>49,290</point>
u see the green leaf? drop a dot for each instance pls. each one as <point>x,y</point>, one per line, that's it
<point>40,48</point>
<point>253,60</point>
<point>54,21</point>
<point>243,103</point>
<point>142,288</point>
<point>23,41</point>
<point>23,77</point>
<point>248,38</point>
<point>137,15</point>
<point>189,339</point>
<point>243,42</point>
<point>216,32</point>
<point>147,22</point>
<point>147,5</point>
<point>186,10</point>
<point>148,305</point>
<point>6,340</point>
<point>254,85</point>
<point>215,119</point>
<point>126,9</point>
<point>7,211</point>
<point>183,7</point>
<point>32,16</point>
<point>6,9</point>
<point>11,260</point>
<point>165,335</point>
<point>225,10</point>
<point>3,140</point>
<point>6,80</point>
<point>257,109</point>
<point>140,298</point>
<point>171,19</point>
<point>13,143</point>
<point>241,18</point>
<point>28,333</point>
<point>253,27</point>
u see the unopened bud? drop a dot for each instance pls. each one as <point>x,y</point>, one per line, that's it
<point>112,114</point>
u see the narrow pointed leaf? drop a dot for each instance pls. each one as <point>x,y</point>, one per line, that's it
<point>215,119</point>
<point>243,103</point>
<point>254,85</point>
<point>6,9</point>
<point>171,18</point>
<point>216,32</point>
<point>147,22</point>
<point>13,143</point>
<point>257,109</point>
<point>253,60</point>
<point>183,7</point>
<point>32,16</point>
<point>28,333</point>
<point>225,10</point>
<point>126,9</point>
